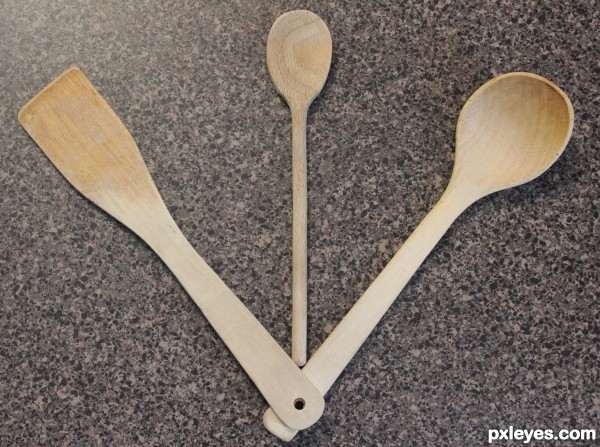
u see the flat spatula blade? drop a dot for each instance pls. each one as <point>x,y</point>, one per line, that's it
<point>90,146</point>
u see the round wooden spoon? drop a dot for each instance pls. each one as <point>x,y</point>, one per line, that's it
<point>509,132</point>
<point>298,57</point>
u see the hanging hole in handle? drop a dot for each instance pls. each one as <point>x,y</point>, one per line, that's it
<point>299,404</point>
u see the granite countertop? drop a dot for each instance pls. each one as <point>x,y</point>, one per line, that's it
<point>99,344</point>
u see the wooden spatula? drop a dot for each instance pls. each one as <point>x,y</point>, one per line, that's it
<point>91,147</point>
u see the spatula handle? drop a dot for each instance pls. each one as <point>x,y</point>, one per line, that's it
<point>279,380</point>
<point>328,362</point>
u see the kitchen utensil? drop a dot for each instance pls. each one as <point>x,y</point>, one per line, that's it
<point>298,57</point>
<point>511,130</point>
<point>91,147</point>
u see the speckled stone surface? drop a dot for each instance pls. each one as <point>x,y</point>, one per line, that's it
<point>99,345</point>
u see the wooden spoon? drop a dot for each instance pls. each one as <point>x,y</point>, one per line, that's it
<point>298,57</point>
<point>91,147</point>
<point>509,132</point>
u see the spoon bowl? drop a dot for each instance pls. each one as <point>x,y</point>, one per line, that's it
<point>511,130</point>
<point>299,56</point>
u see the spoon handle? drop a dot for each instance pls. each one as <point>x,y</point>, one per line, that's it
<point>328,362</point>
<point>299,235</point>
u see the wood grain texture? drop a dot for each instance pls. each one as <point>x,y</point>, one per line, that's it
<point>299,52</point>
<point>509,132</point>
<point>299,236</point>
<point>90,146</point>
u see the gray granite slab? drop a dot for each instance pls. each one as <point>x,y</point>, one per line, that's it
<point>99,345</point>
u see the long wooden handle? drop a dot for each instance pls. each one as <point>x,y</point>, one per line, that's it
<point>299,235</point>
<point>325,366</point>
<point>282,384</point>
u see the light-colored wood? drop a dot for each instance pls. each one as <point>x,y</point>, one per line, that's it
<point>510,131</point>
<point>298,56</point>
<point>91,147</point>
<point>299,237</point>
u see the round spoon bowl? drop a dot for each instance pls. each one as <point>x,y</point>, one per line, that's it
<point>299,55</point>
<point>511,130</point>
